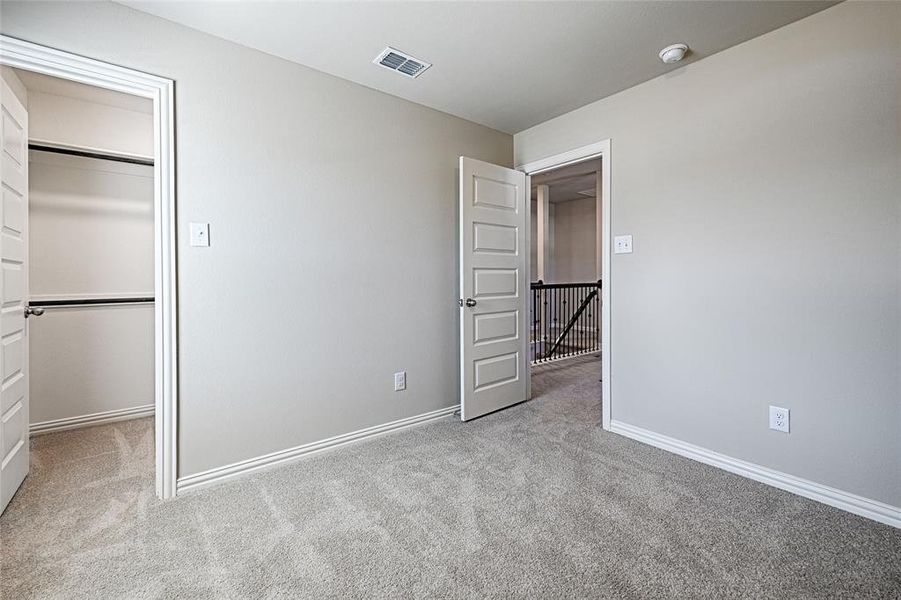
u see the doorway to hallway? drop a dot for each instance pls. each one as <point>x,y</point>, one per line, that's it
<point>566,252</point>
<point>506,325</point>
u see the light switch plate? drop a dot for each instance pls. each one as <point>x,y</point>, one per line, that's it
<point>200,234</point>
<point>622,244</point>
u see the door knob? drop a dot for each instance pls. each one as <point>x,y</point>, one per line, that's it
<point>470,302</point>
<point>36,311</point>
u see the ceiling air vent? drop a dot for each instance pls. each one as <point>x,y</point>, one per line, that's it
<point>401,62</point>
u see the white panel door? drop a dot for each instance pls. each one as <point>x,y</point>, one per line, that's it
<point>494,282</point>
<point>13,296</point>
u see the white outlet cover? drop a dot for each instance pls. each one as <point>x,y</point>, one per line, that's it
<point>780,419</point>
<point>400,381</point>
<point>622,244</point>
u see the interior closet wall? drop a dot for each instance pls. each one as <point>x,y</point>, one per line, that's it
<point>99,119</point>
<point>91,235</point>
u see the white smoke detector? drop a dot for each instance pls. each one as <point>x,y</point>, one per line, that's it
<point>673,54</point>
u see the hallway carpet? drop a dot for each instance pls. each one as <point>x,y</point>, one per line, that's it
<point>535,501</point>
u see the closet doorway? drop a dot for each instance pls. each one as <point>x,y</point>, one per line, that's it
<point>90,283</point>
<point>88,294</point>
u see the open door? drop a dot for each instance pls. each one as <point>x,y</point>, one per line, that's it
<point>494,274</point>
<point>13,296</point>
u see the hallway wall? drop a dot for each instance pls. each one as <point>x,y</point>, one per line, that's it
<point>575,230</point>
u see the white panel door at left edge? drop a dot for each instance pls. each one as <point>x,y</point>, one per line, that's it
<point>13,296</point>
<point>493,288</point>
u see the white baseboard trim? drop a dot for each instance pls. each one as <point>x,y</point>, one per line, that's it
<point>219,474</point>
<point>110,416</point>
<point>871,509</point>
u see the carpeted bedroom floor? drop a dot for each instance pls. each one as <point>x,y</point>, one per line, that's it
<point>534,501</point>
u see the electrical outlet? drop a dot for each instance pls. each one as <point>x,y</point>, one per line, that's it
<point>779,418</point>
<point>400,381</point>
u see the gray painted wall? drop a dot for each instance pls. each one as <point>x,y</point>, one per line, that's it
<point>332,211</point>
<point>575,243</point>
<point>763,188</point>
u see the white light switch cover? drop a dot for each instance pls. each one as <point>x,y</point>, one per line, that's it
<point>622,244</point>
<point>200,234</point>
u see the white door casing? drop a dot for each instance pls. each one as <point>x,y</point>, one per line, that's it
<point>602,151</point>
<point>13,294</point>
<point>494,280</point>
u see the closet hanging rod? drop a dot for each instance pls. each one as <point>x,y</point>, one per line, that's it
<point>90,302</point>
<point>89,154</point>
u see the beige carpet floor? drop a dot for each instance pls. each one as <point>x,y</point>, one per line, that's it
<point>532,502</point>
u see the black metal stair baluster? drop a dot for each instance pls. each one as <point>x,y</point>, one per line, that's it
<point>567,348</point>
<point>574,346</point>
<point>588,326</point>
<point>553,318</point>
<point>585,341</point>
<point>569,304</point>
<point>582,325</point>
<point>557,312</point>
<point>546,317</point>
<point>547,320</point>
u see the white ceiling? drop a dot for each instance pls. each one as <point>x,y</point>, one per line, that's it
<point>575,188</point>
<point>37,82</point>
<point>507,65</point>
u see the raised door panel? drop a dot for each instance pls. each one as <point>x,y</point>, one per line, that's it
<point>495,327</point>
